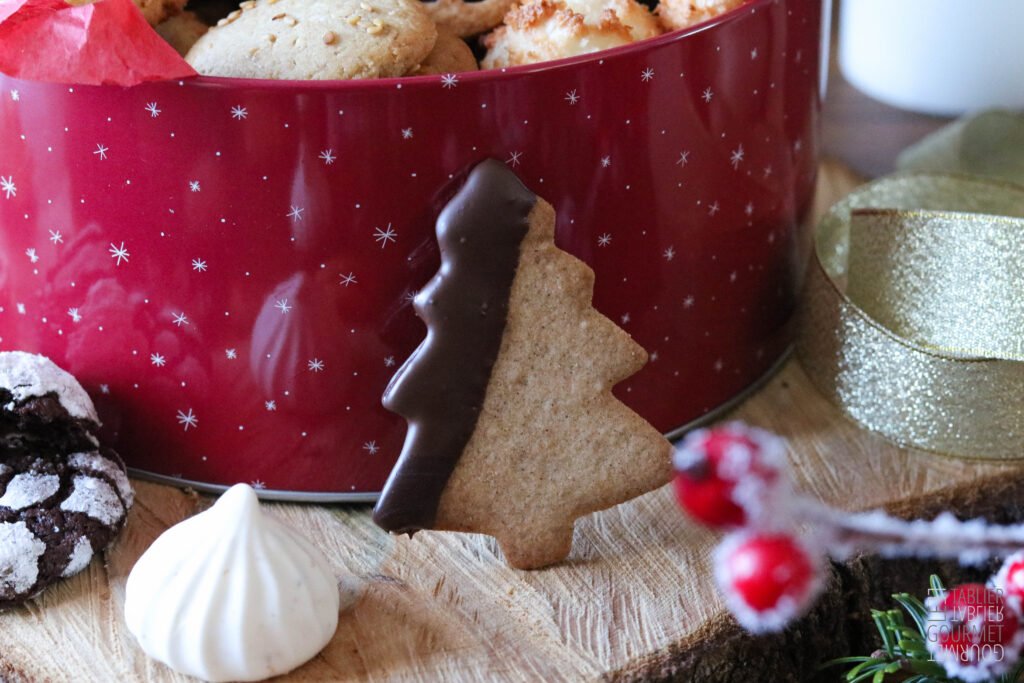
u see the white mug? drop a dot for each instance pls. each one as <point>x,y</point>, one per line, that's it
<point>944,57</point>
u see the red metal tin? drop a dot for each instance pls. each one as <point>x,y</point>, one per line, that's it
<point>227,265</point>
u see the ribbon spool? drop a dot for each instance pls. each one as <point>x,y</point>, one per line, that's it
<point>913,320</point>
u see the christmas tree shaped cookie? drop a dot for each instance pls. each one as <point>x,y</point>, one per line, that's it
<point>513,429</point>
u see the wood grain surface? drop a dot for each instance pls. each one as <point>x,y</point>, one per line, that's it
<point>635,600</point>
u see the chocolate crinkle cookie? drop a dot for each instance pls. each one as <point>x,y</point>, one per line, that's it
<point>63,497</point>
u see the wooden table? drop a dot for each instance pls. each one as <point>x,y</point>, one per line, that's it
<point>635,601</point>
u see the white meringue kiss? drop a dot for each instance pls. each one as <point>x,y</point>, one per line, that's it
<point>232,594</point>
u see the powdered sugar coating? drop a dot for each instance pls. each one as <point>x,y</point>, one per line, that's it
<point>27,376</point>
<point>28,489</point>
<point>19,557</point>
<point>80,558</point>
<point>95,498</point>
<point>95,462</point>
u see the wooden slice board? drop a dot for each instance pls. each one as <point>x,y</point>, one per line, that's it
<point>636,600</point>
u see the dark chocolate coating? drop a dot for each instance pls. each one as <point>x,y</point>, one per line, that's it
<point>440,389</point>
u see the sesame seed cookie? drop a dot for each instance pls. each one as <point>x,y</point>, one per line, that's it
<point>466,19</point>
<point>450,55</point>
<point>317,40</point>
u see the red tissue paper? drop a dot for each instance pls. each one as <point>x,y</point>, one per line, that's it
<point>104,43</point>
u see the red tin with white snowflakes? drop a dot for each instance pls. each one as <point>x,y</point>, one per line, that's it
<point>227,265</point>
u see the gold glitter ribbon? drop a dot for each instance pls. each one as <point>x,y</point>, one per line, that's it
<point>913,319</point>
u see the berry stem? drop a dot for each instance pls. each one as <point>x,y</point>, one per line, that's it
<point>971,542</point>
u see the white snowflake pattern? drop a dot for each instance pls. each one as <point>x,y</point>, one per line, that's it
<point>154,109</point>
<point>33,257</point>
<point>606,162</point>
<point>271,406</point>
<point>349,279</point>
<point>604,240</point>
<point>389,362</point>
<point>653,356</point>
<point>713,209</point>
<point>572,98</point>
<point>767,171</point>
<point>157,360</point>
<point>449,81</point>
<point>104,389</point>
<point>719,365</point>
<point>684,158</point>
<point>669,253</point>
<point>315,365</point>
<point>296,213</point>
<point>385,236</point>
<point>8,187</point>
<point>749,209</point>
<point>231,354</point>
<point>199,265</point>
<point>736,156</point>
<point>194,186</point>
<point>753,53</point>
<point>15,95</point>
<point>647,75</point>
<point>101,151</point>
<point>188,420</point>
<point>407,133</point>
<point>371,447</point>
<point>798,145</point>
<point>119,253</point>
<point>707,94</point>
<point>179,319</point>
<point>75,316</point>
<point>689,301</point>
<point>21,308</point>
<point>625,318</point>
<point>514,159</point>
<point>56,237</point>
<point>239,113</point>
<point>283,306</point>
<point>327,156</point>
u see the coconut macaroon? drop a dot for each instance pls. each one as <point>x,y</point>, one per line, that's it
<point>543,30</point>
<point>676,14</point>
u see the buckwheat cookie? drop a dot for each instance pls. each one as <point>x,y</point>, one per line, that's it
<point>466,19</point>
<point>677,14</point>
<point>525,436</point>
<point>317,40</point>
<point>450,55</point>
<point>543,30</point>
<point>155,11</point>
<point>182,31</point>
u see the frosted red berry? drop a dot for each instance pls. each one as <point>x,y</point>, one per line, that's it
<point>767,579</point>
<point>728,475</point>
<point>1010,582</point>
<point>972,632</point>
